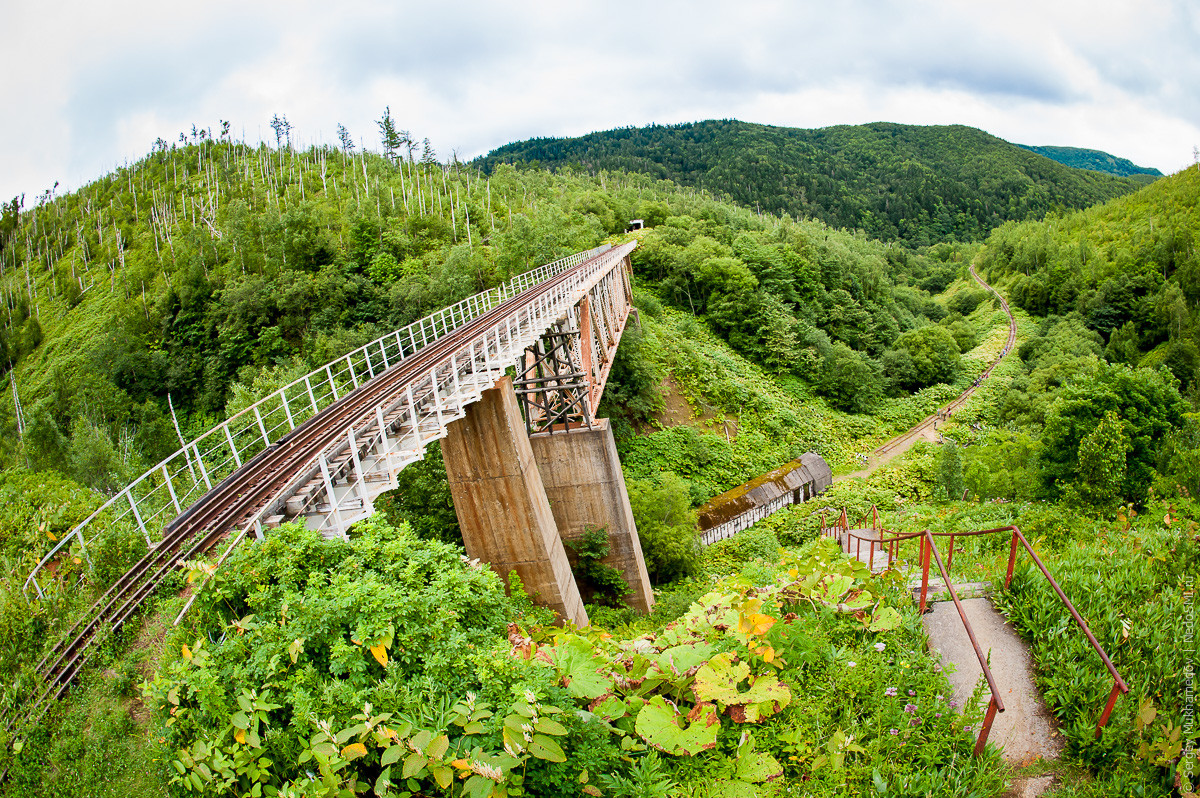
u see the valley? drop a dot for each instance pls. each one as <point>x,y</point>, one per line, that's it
<point>820,300</point>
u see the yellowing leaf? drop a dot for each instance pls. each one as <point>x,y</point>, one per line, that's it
<point>51,536</point>
<point>295,648</point>
<point>658,724</point>
<point>755,624</point>
<point>187,652</point>
<point>380,654</point>
<point>354,751</point>
<point>240,735</point>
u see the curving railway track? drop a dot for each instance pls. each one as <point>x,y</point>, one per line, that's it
<point>962,398</point>
<point>236,500</point>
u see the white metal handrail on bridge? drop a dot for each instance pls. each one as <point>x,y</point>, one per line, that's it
<point>166,490</point>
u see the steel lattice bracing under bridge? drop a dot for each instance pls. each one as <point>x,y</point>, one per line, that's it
<point>324,446</point>
<point>563,374</point>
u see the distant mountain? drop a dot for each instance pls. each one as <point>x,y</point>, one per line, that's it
<point>917,184</point>
<point>1094,160</point>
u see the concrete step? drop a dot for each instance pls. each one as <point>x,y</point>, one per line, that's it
<point>937,589</point>
<point>1026,728</point>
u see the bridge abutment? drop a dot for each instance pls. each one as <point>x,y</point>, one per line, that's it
<point>501,503</point>
<point>583,480</point>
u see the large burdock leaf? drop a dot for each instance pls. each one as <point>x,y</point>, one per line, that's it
<point>659,725</point>
<point>757,767</point>
<point>884,620</point>
<point>720,680</point>
<point>679,660</point>
<point>584,674</point>
<point>610,707</point>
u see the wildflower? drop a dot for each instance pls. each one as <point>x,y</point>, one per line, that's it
<point>890,691</point>
<point>937,714</point>
<point>895,731</point>
<point>967,727</point>
<point>915,722</point>
<point>940,697</point>
<point>880,647</point>
<point>851,664</point>
<point>487,771</point>
<point>912,692</point>
<point>953,704</point>
<point>910,708</point>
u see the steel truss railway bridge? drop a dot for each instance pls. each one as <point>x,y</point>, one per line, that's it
<point>528,461</point>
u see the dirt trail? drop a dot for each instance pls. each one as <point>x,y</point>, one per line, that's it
<point>927,428</point>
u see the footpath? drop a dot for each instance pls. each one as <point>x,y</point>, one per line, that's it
<point>1025,730</point>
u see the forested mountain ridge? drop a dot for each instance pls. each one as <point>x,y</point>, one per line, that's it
<point>214,271</point>
<point>204,275</point>
<point>1096,160</point>
<point>910,183</point>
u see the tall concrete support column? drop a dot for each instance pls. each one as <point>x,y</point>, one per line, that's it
<point>583,480</point>
<point>502,507</point>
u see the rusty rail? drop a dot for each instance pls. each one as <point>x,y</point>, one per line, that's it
<point>893,547</point>
<point>994,703</point>
<point>954,404</point>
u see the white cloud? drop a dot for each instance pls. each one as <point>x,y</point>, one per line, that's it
<point>100,82</point>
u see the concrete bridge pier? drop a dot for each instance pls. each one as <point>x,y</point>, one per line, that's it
<point>583,480</point>
<point>518,497</point>
<point>501,504</point>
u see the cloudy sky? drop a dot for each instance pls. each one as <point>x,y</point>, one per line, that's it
<point>92,84</point>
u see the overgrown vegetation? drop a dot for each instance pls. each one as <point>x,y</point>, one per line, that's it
<point>387,664</point>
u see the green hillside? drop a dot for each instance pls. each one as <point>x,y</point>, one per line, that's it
<point>390,664</point>
<point>914,184</point>
<point>1129,269</point>
<point>1095,160</point>
<point>205,274</point>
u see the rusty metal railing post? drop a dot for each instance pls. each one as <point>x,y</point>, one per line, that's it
<point>1012,559</point>
<point>1113,695</point>
<point>950,556</point>
<point>986,729</point>
<point>996,704</point>
<point>926,544</point>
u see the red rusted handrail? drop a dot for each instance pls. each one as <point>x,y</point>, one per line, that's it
<point>1119,685</point>
<point>893,543</point>
<point>994,704</point>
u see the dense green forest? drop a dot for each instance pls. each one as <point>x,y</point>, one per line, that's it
<point>204,274</point>
<point>388,664</point>
<point>920,185</point>
<point>1095,160</point>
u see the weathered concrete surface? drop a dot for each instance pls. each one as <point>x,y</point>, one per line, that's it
<point>1030,788</point>
<point>1025,728</point>
<point>583,481</point>
<point>501,503</point>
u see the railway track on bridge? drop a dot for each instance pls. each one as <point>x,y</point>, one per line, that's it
<point>241,497</point>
